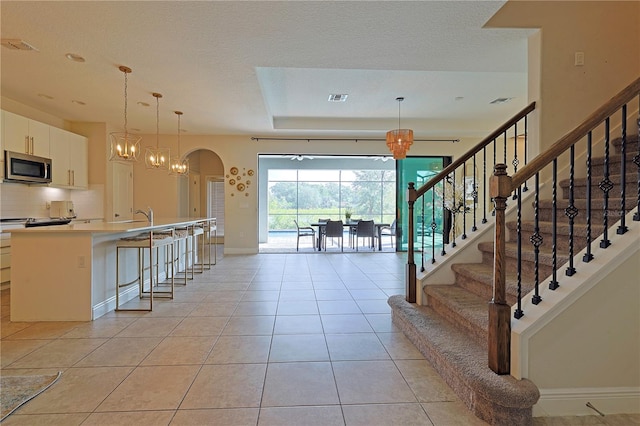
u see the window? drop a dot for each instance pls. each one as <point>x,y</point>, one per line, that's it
<point>307,195</point>
<point>215,188</point>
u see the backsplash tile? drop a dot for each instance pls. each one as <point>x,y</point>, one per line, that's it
<point>18,200</point>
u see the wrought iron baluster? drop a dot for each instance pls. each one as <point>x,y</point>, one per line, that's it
<point>515,161</point>
<point>444,212</point>
<point>526,138</point>
<point>484,185</point>
<point>495,147</point>
<point>588,257</point>
<point>518,312</point>
<point>463,208</point>
<point>622,228</point>
<point>606,185</point>
<point>422,236</point>
<point>433,225</point>
<point>453,210</point>
<point>504,138</point>
<point>553,284</point>
<point>571,211</point>
<point>537,240</point>
<point>474,194</point>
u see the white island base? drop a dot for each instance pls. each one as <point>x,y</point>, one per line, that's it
<point>68,273</point>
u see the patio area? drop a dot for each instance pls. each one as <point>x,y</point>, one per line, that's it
<point>285,242</point>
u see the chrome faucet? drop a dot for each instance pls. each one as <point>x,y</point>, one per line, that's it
<point>148,215</point>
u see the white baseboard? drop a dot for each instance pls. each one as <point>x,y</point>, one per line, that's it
<point>127,295</point>
<point>573,402</point>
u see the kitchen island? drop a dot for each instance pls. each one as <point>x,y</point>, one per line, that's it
<point>68,272</point>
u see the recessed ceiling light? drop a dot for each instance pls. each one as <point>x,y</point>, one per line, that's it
<point>459,98</point>
<point>75,101</point>
<point>144,104</point>
<point>42,95</point>
<point>338,97</point>
<point>74,57</point>
<point>500,100</point>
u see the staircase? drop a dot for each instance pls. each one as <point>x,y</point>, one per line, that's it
<point>464,328</point>
<point>451,330</point>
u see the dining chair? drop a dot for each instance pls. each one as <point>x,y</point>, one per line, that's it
<point>352,230</point>
<point>334,229</point>
<point>305,231</point>
<point>321,232</point>
<point>389,231</point>
<point>365,229</point>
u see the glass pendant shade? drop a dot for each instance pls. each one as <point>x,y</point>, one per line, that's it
<point>399,140</point>
<point>155,157</point>
<point>178,166</point>
<point>124,146</point>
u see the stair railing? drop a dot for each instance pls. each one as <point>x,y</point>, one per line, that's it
<point>600,203</point>
<point>450,204</point>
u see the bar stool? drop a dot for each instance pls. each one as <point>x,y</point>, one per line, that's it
<point>181,235</point>
<point>197,231</point>
<point>209,228</point>
<point>190,231</point>
<point>151,241</point>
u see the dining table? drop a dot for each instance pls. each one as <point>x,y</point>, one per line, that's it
<point>347,224</point>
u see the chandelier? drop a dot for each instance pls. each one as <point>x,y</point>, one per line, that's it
<point>178,166</point>
<point>399,140</point>
<point>124,146</point>
<point>157,158</point>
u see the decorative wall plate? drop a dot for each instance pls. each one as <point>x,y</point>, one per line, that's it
<point>250,172</point>
<point>240,187</point>
<point>234,170</point>
<point>232,181</point>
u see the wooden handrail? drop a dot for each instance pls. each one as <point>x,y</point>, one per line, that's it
<point>591,122</point>
<point>473,151</point>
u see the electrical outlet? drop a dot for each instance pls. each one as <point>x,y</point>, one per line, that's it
<point>579,59</point>
<point>81,262</point>
<point>47,205</point>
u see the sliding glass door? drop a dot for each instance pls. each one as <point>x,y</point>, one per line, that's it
<point>429,230</point>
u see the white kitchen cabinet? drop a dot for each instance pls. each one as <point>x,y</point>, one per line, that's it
<point>21,134</point>
<point>5,258</point>
<point>69,158</point>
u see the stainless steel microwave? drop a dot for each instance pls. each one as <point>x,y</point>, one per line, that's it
<point>26,168</point>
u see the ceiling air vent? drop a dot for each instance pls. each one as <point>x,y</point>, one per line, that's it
<point>500,100</point>
<point>338,97</point>
<point>16,44</point>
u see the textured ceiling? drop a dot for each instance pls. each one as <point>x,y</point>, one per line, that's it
<point>267,68</point>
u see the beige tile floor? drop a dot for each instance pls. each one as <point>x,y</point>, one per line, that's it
<point>268,339</point>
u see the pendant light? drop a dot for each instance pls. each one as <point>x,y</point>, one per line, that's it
<point>124,146</point>
<point>399,140</point>
<point>178,166</point>
<point>157,158</point>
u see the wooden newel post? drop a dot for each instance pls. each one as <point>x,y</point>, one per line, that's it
<point>499,310</point>
<point>411,265</point>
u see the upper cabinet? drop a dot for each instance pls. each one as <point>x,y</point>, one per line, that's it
<point>69,159</point>
<point>23,135</point>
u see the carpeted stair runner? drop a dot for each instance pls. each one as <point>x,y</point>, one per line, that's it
<point>500,400</point>
<point>451,331</point>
